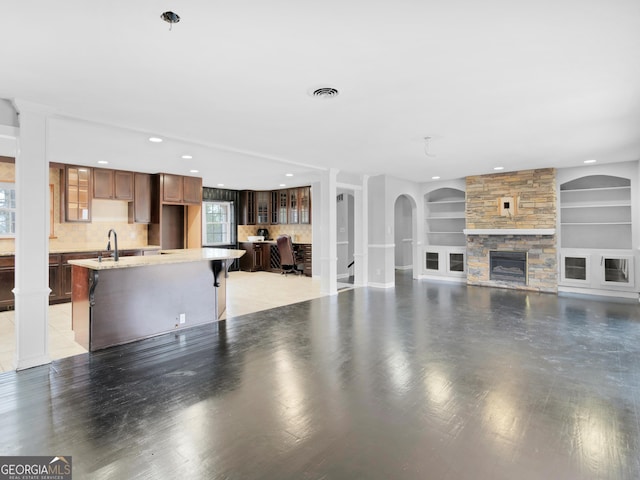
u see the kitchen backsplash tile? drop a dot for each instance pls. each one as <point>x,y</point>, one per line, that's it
<point>299,233</point>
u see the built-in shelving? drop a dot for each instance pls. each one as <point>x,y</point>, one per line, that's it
<point>445,217</point>
<point>444,253</point>
<point>595,212</point>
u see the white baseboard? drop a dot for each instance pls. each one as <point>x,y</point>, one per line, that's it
<point>439,278</point>
<point>381,285</point>
<point>600,293</point>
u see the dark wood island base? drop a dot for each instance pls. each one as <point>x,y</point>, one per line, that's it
<point>113,304</point>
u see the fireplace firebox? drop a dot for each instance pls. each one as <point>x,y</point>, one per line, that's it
<point>508,266</point>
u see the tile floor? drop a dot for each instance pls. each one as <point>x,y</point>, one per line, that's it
<point>246,293</point>
<point>61,339</point>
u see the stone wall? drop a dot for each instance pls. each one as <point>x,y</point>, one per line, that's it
<point>541,260</point>
<point>534,195</point>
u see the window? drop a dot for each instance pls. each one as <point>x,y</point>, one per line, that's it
<point>216,223</point>
<point>7,209</point>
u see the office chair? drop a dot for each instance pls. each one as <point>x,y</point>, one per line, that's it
<point>287,255</point>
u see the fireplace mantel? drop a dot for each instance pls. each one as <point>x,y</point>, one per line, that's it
<point>509,231</point>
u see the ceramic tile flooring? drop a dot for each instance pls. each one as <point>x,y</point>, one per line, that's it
<point>246,293</point>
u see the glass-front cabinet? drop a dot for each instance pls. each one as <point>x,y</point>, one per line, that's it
<point>283,204</point>
<point>305,204</point>
<point>448,261</point>
<point>294,212</point>
<point>597,270</point>
<point>77,203</point>
<point>262,207</point>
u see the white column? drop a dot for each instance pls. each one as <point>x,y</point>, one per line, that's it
<point>31,290</point>
<point>328,224</point>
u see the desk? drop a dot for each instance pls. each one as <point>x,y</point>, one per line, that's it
<point>264,256</point>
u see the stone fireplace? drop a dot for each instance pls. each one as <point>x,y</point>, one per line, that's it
<point>514,215</point>
<point>508,266</point>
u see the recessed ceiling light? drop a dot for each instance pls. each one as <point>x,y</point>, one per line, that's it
<point>193,171</point>
<point>187,157</point>
<point>435,178</point>
<point>221,184</point>
<point>103,162</point>
<point>155,139</point>
<point>283,184</point>
<point>288,174</point>
<point>590,161</point>
<point>498,168</point>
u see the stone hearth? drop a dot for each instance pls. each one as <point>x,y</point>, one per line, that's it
<point>542,264</point>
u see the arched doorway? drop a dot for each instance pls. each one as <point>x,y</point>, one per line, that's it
<point>403,233</point>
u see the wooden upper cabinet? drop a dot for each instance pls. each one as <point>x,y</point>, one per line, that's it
<point>77,194</point>
<point>192,188</point>
<point>263,207</point>
<point>247,208</point>
<point>305,204</point>
<point>112,184</point>
<point>180,189</point>
<point>123,185</point>
<point>140,208</point>
<point>102,183</point>
<point>294,206</point>
<point>172,188</point>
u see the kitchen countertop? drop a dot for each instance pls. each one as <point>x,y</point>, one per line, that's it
<point>85,249</point>
<point>165,257</point>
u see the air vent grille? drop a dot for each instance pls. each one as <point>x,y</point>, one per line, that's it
<point>325,92</point>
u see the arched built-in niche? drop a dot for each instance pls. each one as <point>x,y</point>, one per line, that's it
<point>445,243</point>
<point>595,212</point>
<point>596,234</point>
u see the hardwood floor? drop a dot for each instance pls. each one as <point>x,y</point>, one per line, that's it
<point>246,293</point>
<point>427,380</point>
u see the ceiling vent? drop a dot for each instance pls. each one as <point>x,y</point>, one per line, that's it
<point>324,92</point>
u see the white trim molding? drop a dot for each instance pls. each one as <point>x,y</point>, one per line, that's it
<point>509,231</point>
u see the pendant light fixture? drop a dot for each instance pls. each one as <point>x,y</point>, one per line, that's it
<point>171,18</point>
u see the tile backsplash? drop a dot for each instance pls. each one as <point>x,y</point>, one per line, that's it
<point>108,214</point>
<point>299,233</point>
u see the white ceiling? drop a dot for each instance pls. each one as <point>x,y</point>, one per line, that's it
<point>494,83</point>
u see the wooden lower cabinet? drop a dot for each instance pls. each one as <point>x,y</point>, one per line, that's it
<point>305,252</point>
<point>257,258</point>
<point>59,275</point>
<point>7,273</point>
<point>265,256</point>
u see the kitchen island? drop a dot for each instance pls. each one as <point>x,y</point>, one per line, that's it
<point>116,302</point>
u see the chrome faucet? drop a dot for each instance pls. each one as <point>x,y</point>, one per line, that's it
<point>115,241</point>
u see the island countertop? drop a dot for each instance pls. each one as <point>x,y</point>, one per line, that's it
<point>164,257</point>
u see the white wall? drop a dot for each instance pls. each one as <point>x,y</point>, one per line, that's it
<point>8,115</point>
<point>382,193</point>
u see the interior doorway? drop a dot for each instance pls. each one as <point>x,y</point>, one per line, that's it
<point>345,231</point>
<point>403,233</point>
